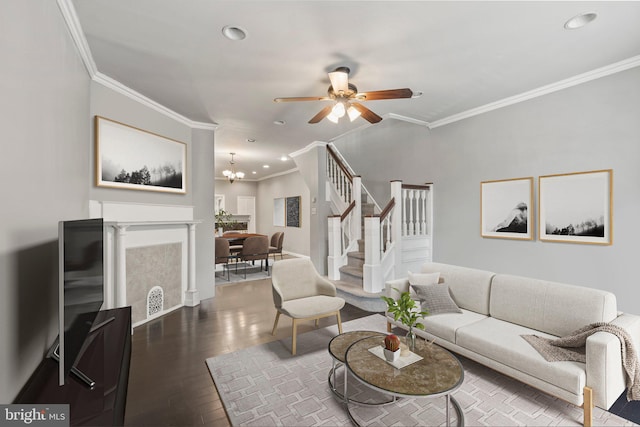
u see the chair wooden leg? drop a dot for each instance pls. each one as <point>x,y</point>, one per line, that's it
<point>339,321</point>
<point>587,406</point>
<point>293,337</point>
<point>275,324</point>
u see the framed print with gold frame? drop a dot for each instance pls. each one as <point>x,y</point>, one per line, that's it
<point>135,159</point>
<point>506,209</point>
<point>576,207</point>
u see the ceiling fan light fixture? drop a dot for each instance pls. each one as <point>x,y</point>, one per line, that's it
<point>339,79</point>
<point>338,110</point>
<point>353,113</point>
<point>333,118</point>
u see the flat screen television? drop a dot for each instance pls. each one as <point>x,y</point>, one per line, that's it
<point>81,288</point>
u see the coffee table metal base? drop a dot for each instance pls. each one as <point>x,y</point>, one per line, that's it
<point>340,395</point>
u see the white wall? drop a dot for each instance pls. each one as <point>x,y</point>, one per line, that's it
<point>296,239</point>
<point>587,127</point>
<point>45,146</point>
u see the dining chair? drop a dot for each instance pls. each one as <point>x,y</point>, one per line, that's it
<point>275,247</point>
<point>223,255</point>
<point>302,294</point>
<point>255,248</point>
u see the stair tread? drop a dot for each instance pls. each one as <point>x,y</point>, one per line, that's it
<point>352,271</point>
<point>356,254</point>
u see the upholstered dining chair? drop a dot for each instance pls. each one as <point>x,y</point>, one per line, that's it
<point>223,254</point>
<point>255,248</point>
<point>275,247</point>
<point>302,294</point>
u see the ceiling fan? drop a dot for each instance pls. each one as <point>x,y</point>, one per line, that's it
<point>347,99</point>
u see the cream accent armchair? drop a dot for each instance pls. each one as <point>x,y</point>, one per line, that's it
<point>302,294</point>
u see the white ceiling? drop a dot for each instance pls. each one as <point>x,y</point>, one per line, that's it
<point>461,55</point>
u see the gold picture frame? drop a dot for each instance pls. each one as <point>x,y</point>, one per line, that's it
<point>506,209</point>
<point>134,159</point>
<point>576,207</point>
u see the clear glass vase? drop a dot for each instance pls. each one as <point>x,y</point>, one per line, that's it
<point>411,339</point>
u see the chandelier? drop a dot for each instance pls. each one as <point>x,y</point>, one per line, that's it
<point>232,174</point>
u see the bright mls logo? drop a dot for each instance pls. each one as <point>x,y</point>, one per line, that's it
<point>37,415</point>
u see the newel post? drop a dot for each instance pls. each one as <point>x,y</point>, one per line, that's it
<point>372,270</point>
<point>335,248</point>
<point>356,223</point>
<point>396,225</point>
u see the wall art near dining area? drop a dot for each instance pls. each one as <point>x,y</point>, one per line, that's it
<point>505,208</point>
<point>135,159</point>
<point>293,211</point>
<point>576,207</point>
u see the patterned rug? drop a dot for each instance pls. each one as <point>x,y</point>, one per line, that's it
<point>265,385</point>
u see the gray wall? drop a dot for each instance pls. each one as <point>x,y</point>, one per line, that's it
<point>587,127</point>
<point>202,161</point>
<point>296,239</point>
<point>232,191</point>
<point>44,120</point>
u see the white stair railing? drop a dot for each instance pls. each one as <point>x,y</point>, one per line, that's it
<point>379,254</point>
<point>416,204</point>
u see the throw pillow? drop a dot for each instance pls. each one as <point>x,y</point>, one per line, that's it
<point>421,279</point>
<point>436,299</point>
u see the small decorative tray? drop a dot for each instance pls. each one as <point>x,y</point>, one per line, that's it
<point>406,357</point>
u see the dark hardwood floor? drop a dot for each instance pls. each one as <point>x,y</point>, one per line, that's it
<point>169,383</point>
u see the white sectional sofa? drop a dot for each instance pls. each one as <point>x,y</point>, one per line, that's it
<point>498,308</point>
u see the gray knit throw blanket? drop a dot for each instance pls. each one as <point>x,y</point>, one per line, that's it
<point>572,347</point>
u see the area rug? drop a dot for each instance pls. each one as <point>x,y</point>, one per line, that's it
<point>265,385</point>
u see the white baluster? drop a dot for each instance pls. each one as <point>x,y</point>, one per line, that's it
<point>405,225</point>
<point>412,229</point>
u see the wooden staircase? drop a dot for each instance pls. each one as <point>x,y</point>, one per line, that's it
<point>353,271</point>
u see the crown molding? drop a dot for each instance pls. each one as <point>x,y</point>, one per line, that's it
<point>275,175</point>
<point>115,85</point>
<point>77,34</point>
<point>308,148</point>
<point>408,119</point>
<point>543,90</point>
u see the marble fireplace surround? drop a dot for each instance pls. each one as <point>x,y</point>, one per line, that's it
<point>135,236</point>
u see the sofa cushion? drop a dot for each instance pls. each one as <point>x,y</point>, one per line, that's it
<point>445,325</point>
<point>501,341</point>
<point>435,299</point>
<point>550,307</point>
<point>470,288</point>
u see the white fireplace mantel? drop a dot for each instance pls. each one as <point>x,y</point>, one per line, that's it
<point>133,225</point>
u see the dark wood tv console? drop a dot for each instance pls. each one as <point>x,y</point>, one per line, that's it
<point>106,360</point>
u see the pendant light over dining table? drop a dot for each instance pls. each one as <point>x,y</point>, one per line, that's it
<point>231,174</point>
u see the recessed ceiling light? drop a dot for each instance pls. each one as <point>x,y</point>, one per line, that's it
<point>580,20</point>
<point>234,33</point>
<point>265,166</point>
<point>416,94</point>
<point>251,140</point>
<point>284,158</point>
<point>279,122</point>
<point>254,172</point>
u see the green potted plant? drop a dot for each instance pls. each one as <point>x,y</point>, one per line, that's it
<point>224,220</point>
<point>408,312</point>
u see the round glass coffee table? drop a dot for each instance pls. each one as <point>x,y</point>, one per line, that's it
<point>437,374</point>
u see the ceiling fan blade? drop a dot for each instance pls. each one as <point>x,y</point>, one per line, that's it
<point>366,113</point>
<point>321,115</point>
<point>339,80</point>
<point>384,94</point>
<point>303,98</point>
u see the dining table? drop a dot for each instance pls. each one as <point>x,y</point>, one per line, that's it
<point>237,239</point>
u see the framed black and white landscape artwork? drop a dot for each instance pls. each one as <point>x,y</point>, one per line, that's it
<point>505,208</point>
<point>576,207</point>
<point>134,159</point>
